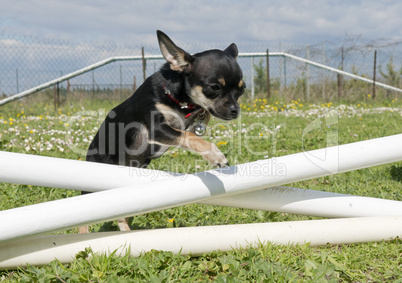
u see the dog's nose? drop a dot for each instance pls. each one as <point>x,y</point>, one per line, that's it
<point>234,111</point>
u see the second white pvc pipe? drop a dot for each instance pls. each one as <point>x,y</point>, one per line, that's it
<point>199,240</point>
<point>310,202</point>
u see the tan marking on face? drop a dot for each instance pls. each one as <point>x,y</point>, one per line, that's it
<point>222,81</point>
<point>200,99</point>
<point>241,83</point>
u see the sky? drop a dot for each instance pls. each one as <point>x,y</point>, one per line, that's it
<point>212,21</point>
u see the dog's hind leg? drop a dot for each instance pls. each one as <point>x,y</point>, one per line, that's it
<point>123,222</point>
<point>83,230</point>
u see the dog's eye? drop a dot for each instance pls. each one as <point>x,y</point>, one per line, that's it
<point>215,87</point>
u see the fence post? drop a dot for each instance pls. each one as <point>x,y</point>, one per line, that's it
<point>68,86</point>
<point>121,81</point>
<point>285,83</point>
<point>374,72</point>
<point>281,72</point>
<point>134,84</point>
<point>93,83</point>
<point>144,63</point>
<point>323,72</point>
<point>268,79</point>
<point>56,96</point>
<point>252,78</point>
<point>340,77</point>
<point>17,80</point>
<point>308,74</point>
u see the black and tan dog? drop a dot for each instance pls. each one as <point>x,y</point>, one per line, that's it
<point>172,108</point>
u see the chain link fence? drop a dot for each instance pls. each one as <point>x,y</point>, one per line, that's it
<point>26,62</point>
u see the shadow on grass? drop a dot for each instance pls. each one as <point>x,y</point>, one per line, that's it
<point>396,173</point>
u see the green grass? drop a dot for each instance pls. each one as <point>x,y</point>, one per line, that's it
<point>263,131</point>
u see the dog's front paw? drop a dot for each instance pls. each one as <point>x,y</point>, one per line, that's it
<point>215,157</point>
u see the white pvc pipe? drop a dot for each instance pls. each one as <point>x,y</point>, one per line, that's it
<point>52,172</point>
<point>311,202</point>
<point>89,176</point>
<point>199,240</point>
<point>248,177</point>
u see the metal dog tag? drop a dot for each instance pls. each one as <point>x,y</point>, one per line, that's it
<point>199,129</point>
<point>199,126</point>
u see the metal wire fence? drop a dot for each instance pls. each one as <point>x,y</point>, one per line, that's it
<point>26,62</point>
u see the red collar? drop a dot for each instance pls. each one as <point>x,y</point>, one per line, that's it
<point>183,104</point>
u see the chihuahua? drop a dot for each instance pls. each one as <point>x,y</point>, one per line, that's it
<point>172,108</point>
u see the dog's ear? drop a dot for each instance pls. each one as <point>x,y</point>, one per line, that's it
<point>178,59</point>
<point>232,50</point>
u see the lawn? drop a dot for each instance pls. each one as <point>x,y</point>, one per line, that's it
<point>264,130</point>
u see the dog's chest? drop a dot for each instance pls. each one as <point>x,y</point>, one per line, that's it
<point>174,118</point>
